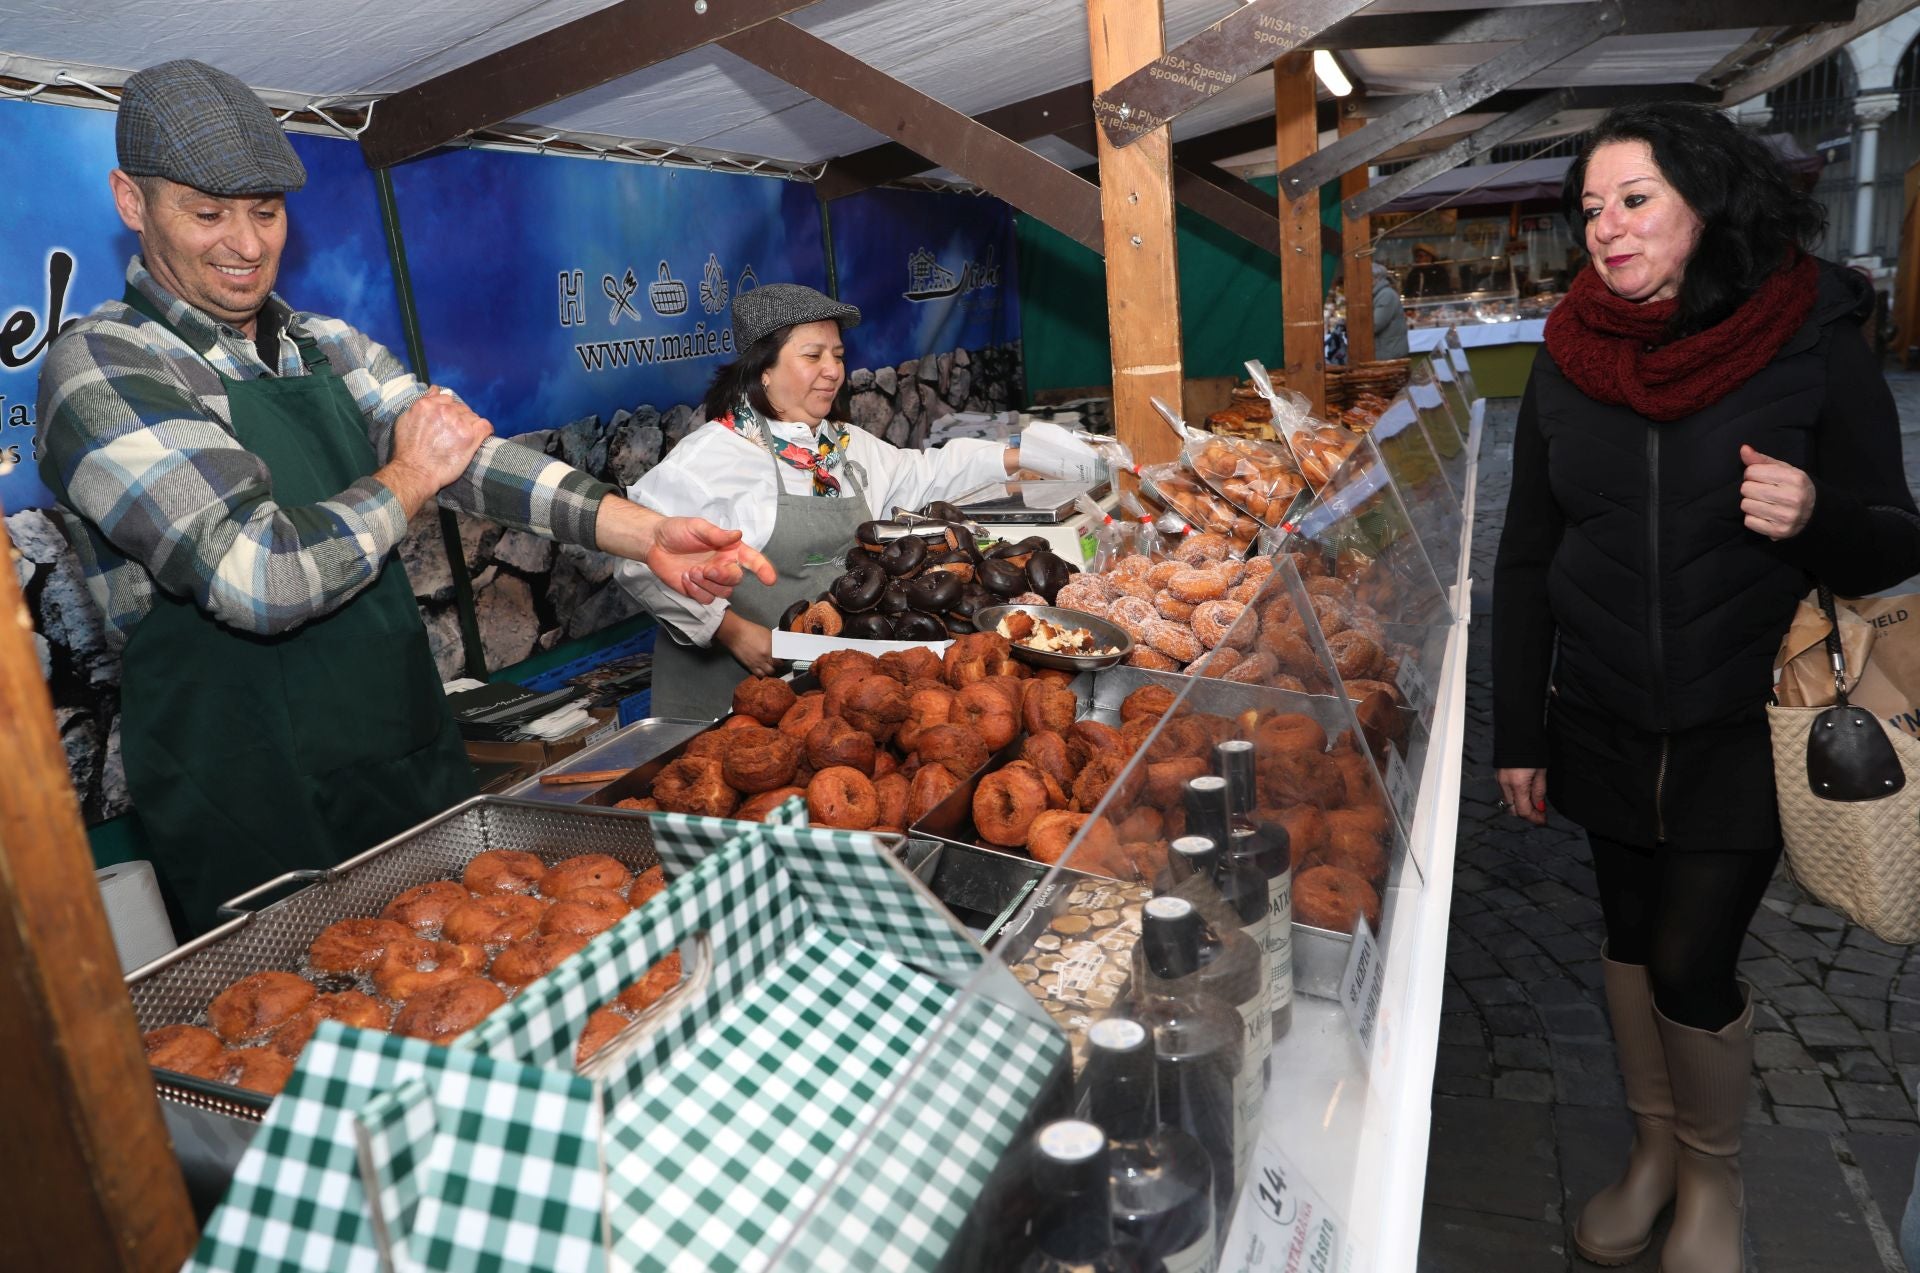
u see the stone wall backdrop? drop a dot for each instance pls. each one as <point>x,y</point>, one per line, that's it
<point>529,593</point>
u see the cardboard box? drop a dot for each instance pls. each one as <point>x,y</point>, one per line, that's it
<point>539,755</point>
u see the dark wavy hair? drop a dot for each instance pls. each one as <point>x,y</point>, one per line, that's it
<point>1752,212</point>
<point>741,379</point>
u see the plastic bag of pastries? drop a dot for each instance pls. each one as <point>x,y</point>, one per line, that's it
<point>1261,479</point>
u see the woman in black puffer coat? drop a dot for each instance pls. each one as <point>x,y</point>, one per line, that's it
<point>1704,435</point>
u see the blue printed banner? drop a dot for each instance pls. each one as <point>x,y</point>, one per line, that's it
<point>551,289</point>
<point>63,251</point>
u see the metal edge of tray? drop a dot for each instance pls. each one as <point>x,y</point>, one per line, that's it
<point>624,743</point>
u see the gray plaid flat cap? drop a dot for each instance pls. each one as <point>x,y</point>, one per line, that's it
<point>778,305</point>
<point>197,125</point>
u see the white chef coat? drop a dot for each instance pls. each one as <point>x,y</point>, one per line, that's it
<point>717,474</point>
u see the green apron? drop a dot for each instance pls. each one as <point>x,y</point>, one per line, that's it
<point>250,756</point>
<point>811,536</point>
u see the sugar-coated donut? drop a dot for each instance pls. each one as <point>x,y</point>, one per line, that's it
<point>1172,609</point>
<point>503,871</point>
<point>254,1006</point>
<point>764,698</point>
<point>841,796</point>
<point>1175,640</point>
<point>180,1048</point>
<point>585,870</point>
<point>758,808</point>
<point>354,945</point>
<point>1330,897</point>
<point>695,784</point>
<point>1213,621</point>
<point>1203,549</point>
<point>1145,656</point>
<point>1005,803</point>
<point>532,958</point>
<point>985,709</point>
<point>425,906</point>
<point>1133,565</point>
<point>759,760</point>
<point>257,1069</point>
<point>1216,662</point>
<point>416,964</point>
<point>1258,668</point>
<point>584,912</point>
<point>1197,585</point>
<point>1131,615</point>
<point>450,1010</point>
<point>491,921</point>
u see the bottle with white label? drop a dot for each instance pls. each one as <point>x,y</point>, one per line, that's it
<point>1199,1041</point>
<point>1073,1231</point>
<point>1161,1178</point>
<point>1264,846</point>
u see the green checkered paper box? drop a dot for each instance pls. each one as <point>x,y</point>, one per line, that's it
<point>778,1110</point>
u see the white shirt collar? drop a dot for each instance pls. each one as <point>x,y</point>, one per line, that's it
<point>789,431</point>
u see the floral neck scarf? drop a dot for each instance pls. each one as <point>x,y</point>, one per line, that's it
<point>821,460</point>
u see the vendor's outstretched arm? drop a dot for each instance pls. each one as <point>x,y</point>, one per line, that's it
<point>689,554</point>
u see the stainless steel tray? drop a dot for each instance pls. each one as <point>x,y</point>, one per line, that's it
<point>628,748</point>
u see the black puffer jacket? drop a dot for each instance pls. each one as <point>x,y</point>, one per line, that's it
<point>1625,553</point>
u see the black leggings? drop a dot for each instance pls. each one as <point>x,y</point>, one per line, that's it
<point>1684,916</point>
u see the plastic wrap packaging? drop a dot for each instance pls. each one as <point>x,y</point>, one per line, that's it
<point>1149,540</point>
<point>1258,478</point>
<point>1112,537</point>
<point>1318,448</point>
<point>1179,491</point>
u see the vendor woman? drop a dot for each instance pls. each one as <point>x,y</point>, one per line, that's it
<point>797,483</point>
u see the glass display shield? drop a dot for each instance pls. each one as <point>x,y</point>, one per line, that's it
<point>1433,504</point>
<point>1457,354</point>
<point>1449,434</point>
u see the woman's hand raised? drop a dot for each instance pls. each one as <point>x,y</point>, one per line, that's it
<point>1776,498</point>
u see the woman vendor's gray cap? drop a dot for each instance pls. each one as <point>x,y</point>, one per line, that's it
<point>197,125</point>
<point>778,305</point>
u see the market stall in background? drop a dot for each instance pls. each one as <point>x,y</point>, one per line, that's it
<point>1129,858</point>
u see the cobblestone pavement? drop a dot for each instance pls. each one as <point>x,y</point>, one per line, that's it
<point>1528,1114</point>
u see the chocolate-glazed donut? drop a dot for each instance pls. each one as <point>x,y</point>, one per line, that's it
<point>958,624</point>
<point>868,625</point>
<point>918,625</point>
<point>1002,578</point>
<point>869,533</point>
<point>1048,574</point>
<point>893,601</point>
<point>859,589</point>
<point>934,591</point>
<point>944,511</point>
<point>904,556</point>
<point>790,618</point>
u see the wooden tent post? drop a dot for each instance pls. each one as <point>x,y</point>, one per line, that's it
<point>1303,321</point>
<point>1354,235</point>
<point>1136,209</point>
<point>88,1180</point>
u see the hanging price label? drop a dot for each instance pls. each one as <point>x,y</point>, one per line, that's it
<point>1360,986</point>
<point>1414,688</point>
<point>1400,787</point>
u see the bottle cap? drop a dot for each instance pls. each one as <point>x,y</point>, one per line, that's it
<point>1071,1140</point>
<point>1117,1034</point>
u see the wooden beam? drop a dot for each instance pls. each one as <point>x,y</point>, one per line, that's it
<point>1296,135</point>
<point>1356,253</point>
<point>1040,116</point>
<point>1810,50</point>
<point>1245,41</point>
<point>1583,97</point>
<point>1539,113</point>
<point>1006,169</point>
<point>1520,22</point>
<point>1143,267</point>
<point>1582,25</point>
<point>571,58</point>
<point>89,1180</point>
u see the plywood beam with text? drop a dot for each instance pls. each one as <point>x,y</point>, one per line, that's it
<point>1136,209</point>
<point>1303,324</point>
<point>1357,253</point>
<point>88,1180</point>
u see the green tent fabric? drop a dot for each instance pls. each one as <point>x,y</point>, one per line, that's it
<point>1229,300</point>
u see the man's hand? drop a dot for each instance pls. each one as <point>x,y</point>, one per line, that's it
<point>750,644</point>
<point>1524,793</point>
<point>1775,497</point>
<point>433,442</point>
<point>693,556</point>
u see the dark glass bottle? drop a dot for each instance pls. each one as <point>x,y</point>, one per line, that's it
<point>1161,1177</point>
<point>1199,1041</point>
<point>1074,1232</point>
<point>1264,847</point>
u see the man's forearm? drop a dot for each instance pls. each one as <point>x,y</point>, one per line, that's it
<point>624,528</point>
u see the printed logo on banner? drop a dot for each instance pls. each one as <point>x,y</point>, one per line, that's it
<point>24,336</point>
<point>748,281</point>
<point>713,286</point>
<point>573,306</point>
<point>667,295</point>
<point>928,280</point>
<point>620,291</point>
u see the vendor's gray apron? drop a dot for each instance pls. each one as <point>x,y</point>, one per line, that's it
<point>811,536</point>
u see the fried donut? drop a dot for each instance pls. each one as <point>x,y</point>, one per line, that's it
<point>1330,897</point>
<point>765,698</point>
<point>1290,731</point>
<point>489,921</point>
<point>977,655</point>
<point>1133,565</point>
<point>354,945</point>
<point>711,744</point>
<point>1214,620</point>
<point>833,742</point>
<point>180,1048</point>
<point>957,747</point>
<point>1258,668</point>
<point>841,796</point>
<point>348,1007</point>
<point>1306,827</point>
<point>876,705</point>
<point>758,760</point>
<point>1012,689</point>
<point>257,1069</point>
<point>1216,662</point>
<point>1148,700</point>
<point>925,709</point>
<point>1370,820</point>
<point>1203,549</point>
<point>890,793</point>
<point>1133,586</point>
<point>646,886</point>
<point>1087,739</point>
<point>650,989</point>
<point>1048,705</point>
<point>806,712</point>
<point>1130,614</point>
<point>1296,777</point>
<point>1136,731</point>
<point>738,720</point>
<point>503,871</point>
<point>1356,656</point>
<point>586,870</point>
<point>1358,851</point>
<point>1142,823</point>
<point>931,784</point>
<point>984,709</point>
<point>645,803</point>
<point>1050,833</point>
<point>417,964</point>
<point>1006,802</point>
<point>1175,640</point>
<point>425,906</point>
<point>602,1027</point>
<point>908,666</point>
<point>531,958</point>
<point>1172,609</point>
<point>756,808</point>
<point>834,664</point>
<point>695,784</point>
<point>447,1011</point>
<point>1047,751</point>
<point>1145,656</point>
<point>1197,585</point>
<point>584,912</point>
<point>256,1005</point>
<point>1095,777</point>
<point>1167,779</point>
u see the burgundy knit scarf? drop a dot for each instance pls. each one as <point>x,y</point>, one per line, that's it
<point>1612,350</point>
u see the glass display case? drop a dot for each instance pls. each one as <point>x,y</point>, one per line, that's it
<point>1242,944</point>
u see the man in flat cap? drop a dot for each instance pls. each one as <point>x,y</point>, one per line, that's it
<point>236,475</point>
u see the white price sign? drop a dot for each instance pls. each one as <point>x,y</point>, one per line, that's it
<point>1282,1224</point>
<point>1361,985</point>
<point>1400,788</point>
<point>1414,687</point>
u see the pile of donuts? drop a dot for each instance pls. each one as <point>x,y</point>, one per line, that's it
<point>436,961</point>
<point>927,585</point>
<point>1257,477</point>
<point>1180,611</point>
<point>879,744</point>
<point>1182,492</point>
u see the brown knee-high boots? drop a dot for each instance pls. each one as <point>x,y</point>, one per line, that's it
<point>1710,1076</point>
<point>1617,1223</point>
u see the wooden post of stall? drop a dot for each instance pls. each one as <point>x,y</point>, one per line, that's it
<point>1355,250</point>
<point>88,1180</point>
<point>1136,209</point>
<point>1303,322</point>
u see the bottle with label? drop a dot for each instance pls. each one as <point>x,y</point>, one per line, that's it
<point>1264,847</point>
<point>1161,1177</point>
<point>1199,1042</point>
<point>1074,1230</point>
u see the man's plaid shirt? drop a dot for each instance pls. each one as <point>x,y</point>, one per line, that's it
<point>138,445</point>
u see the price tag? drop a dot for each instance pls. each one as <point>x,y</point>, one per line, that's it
<point>1282,1225</point>
<point>1413,685</point>
<point>1400,788</point>
<point>1360,986</point>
